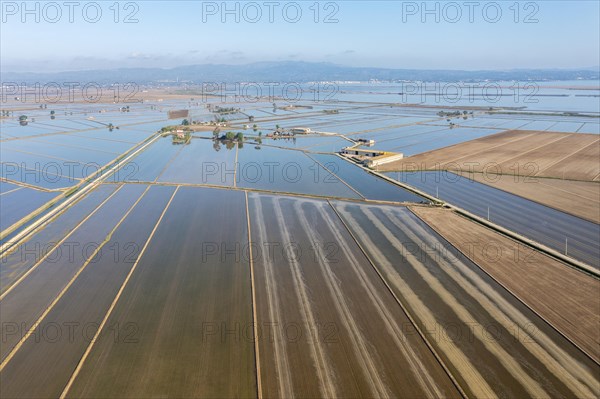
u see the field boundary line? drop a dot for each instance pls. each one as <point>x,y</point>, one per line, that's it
<point>77,130</point>
<point>97,177</point>
<point>426,122</point>
<point>539,147</point>
<point>86,263</point>
<point>76,147</point>
<point>283,193</point>
<point>71,232</point>
<point>114,302</point>
<point>565,259</point>
<point>395,182</point>
<point>503,286</point>
<point>11,191</point>
<point>475,153</point>
<point>568,156</point>
<point>334,174</point>
<point>28,169</point>
<point>27,185</point>
<point>567,191</point>
<point>540,181</point>
<point>30,216</point>
<point>235,167</point>
<point>254,317</point>
<point>107,139</point>
<point>44,155</point>
<point>169,162</point>
<point>404,309</point>
<point>442,129</point>
<point>569,261</point>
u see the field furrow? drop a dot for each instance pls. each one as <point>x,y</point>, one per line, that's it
<point>364,336</point>
<point>491,342</point>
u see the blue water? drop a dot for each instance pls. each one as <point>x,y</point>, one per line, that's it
<point>530,219</point>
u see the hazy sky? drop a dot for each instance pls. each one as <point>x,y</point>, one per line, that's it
<point>395,34</point>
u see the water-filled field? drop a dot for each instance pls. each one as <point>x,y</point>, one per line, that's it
<point>568,234</point>
<point>194,264</point>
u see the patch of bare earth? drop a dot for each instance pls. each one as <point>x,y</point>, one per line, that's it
<point>570,156</point>
<point>565,297</point>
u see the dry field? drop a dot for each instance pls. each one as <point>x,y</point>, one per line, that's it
<point>571,156</point>
<point>555,193</point>
<point>567,298</point>
<point>492,343</point>
<point>335,329</point>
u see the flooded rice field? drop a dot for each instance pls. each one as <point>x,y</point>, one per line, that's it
<point>568,234</point>
<point>16,262</point>
<point>368,185</point>
<point>176,306</point>
<point>20,202</point>
<point>86,300</point>
<point>225,256</point>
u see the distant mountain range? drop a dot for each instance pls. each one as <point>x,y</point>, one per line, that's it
<point>289,71</point>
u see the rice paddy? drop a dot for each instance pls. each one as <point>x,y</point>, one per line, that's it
<point>137,265</point>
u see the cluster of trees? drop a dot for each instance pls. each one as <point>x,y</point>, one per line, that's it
<point>229,139</point>
<point>169,128</point>
<point>229,136</point>
<point>454,114</point>
<point>235,136</point>
<point>224,110</point>
<point>230,145</point>
<point>222,119</point>
<point>178,140</point>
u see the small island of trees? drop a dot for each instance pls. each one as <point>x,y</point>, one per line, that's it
<point>229,139</point>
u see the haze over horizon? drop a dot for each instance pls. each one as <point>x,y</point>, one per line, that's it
<point>265,62</point>
<point>432,36</point>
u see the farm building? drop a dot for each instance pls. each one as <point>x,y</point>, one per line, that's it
<point>300,130</point>
<point>371,158</point>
